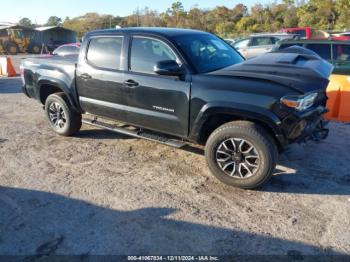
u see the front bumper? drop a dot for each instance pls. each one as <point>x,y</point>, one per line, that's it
<point>315,131</point>
<point>306,126</point>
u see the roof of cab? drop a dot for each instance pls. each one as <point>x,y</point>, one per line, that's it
<point>163,31</point>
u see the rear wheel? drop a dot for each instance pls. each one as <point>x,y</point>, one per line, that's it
<point>241,154</point>
<point>63,119</point>
<point>12,48</point>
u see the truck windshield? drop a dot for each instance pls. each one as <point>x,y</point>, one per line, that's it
<point>207,52</point>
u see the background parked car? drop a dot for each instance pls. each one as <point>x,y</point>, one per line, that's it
<point>68,49</point>
<point>255,45</point>
<point>230,41</point>
<point>336,52</point>
<point>54,44</point>
<point>341,36</point>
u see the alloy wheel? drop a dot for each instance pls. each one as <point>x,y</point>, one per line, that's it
<point>57,115</point>
<point>237,158</point>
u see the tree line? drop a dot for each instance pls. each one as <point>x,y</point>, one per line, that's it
<point>222,20</point>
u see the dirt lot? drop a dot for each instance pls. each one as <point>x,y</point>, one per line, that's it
<point>102,193</point>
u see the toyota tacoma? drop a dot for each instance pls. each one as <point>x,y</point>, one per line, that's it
<point>179,86</point>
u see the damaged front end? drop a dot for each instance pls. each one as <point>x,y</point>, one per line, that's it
<point>300,128</point>
<point>306,76</point>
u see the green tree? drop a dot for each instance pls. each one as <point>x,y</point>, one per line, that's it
<point>245,24</point>
<point>176,14</point>
<point>342,8</point>
<point>226,21</point>
<point>54,21</point>
<point>239,11</point>
<point>25,22</point>
<point>317,13</point>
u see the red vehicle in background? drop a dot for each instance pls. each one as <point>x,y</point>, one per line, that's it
<point>303,32</point>
<point>341,36</point>
<point>306,33</point>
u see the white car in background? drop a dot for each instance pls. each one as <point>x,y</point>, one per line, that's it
<point>258,44</point>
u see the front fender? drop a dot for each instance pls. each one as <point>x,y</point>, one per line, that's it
<point>240,111</point>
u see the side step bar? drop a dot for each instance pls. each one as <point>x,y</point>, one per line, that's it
<point>136,133</point>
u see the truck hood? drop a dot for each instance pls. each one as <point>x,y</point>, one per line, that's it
<point>295,67</point>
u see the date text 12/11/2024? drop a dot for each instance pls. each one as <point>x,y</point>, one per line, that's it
<point>173,258</point>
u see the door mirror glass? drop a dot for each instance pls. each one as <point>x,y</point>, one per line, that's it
<point>168,68</point>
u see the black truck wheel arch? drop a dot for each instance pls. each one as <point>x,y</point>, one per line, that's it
<point>234,112</point>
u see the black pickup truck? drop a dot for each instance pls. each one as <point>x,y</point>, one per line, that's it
<point>176,86</point>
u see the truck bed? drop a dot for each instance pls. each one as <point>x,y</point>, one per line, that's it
<point>54,67</point>
<point>67,60</point>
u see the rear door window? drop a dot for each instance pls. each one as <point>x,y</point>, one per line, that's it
<point>341,52</point>
<point>259,41</point>
<point>105,52</point>
<point>323,50</point>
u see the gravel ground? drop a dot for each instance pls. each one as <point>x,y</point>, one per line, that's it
<point>103,193</point>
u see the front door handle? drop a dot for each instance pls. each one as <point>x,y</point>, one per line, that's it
<point>131,83</point>
<point>86,76</point>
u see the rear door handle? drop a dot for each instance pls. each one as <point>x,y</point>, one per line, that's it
<point>131,83</point>
<point>85,76</point>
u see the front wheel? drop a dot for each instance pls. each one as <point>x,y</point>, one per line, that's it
<point>35,49</point>
<point>241,154</point>
<point>63,119</point>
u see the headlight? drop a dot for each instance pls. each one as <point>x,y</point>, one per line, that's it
<point>299,103</point>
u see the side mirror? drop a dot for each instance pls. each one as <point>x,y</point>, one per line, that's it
<point>168,68</point>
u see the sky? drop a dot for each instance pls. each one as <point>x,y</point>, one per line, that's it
<point>39,10</point>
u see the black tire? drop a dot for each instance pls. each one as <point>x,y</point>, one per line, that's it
<point>35,49</point>
<point>263,145</point>
<point>72,118</point>
<point>12,48</point>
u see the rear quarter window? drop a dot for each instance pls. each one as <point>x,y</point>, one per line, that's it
<point>105,52</point>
